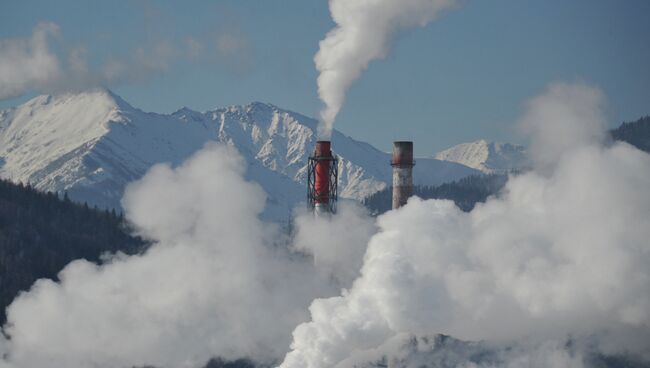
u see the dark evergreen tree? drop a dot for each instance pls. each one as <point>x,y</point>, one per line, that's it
<point>239,363</point>
<point>465,192</point>
<point>468,191</point>
<point>41,233</point>
<point>636,133</point>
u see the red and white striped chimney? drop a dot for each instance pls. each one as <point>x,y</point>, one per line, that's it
<point>402,163</point>
<point>322,179</point>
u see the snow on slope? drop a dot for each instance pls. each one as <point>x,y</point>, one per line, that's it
<point>93,143</point>
<point>488,157</point>
<point>90,144</point>
<point>283,140</point>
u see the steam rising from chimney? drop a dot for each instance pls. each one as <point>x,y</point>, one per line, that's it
<point>554,268</point>
<point>216,281</point>
<point>551,272</point>
<point>364,31</point>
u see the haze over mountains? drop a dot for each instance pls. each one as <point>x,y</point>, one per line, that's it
<point>92,144</point>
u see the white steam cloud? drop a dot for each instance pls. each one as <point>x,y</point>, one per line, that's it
<point>364,31</point>
<point>557,127</point>
<point>548,274</point>
<point>336,244</point>
<point>562,255</point>
<point>216,282</point>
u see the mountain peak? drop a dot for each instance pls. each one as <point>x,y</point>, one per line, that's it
<point>262,105</point>
<point>49,126</point>
<point>489,157</point>
<point>91,98</point>
<point>259,104</point>
<point>187,114</point>
<point>92,144</point>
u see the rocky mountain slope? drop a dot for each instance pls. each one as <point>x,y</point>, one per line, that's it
<point>488,157</point>
<point>92,144</point>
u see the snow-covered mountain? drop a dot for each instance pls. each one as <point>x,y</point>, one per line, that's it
<point>488,157</point>
<point>93,143</point>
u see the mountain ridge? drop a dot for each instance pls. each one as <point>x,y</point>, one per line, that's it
<point>486,156</point>
<point>92,144</point>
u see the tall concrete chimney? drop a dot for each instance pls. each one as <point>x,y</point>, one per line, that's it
<point>322,179</point>
<point>402,163</point>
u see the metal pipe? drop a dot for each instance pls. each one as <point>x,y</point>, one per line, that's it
<point>402,163</point>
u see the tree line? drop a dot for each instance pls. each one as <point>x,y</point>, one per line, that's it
<point>465,192</point>
<point>468,191</point>
<point>42,232</point>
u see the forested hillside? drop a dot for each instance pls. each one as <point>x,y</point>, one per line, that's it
<point>636,133</point>
<point>465,192</point>
<point>40,233</point>
<point>468,191</point>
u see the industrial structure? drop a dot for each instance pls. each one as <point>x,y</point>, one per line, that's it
<point>402,163</point>
<point>322,176</point>
<point>322,179</point>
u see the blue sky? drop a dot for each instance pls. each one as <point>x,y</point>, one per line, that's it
<point>461,78</point>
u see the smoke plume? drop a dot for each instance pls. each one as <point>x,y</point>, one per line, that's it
<point>551,271</point>
<point>216,282</point>
<point>336,244</point>
<point>557,127</point>
<point>364,31</point>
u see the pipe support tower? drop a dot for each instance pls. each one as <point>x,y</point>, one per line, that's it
<point>322,179</point>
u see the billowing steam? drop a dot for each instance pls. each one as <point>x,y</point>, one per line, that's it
<point>563,256</point>
<point>217,281</point>
<point>337,245</point>
<point>364,31</point>
<point>549,274</point>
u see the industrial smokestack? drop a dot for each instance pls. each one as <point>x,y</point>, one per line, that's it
<point>402,163</point>
<point>322,179</point>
